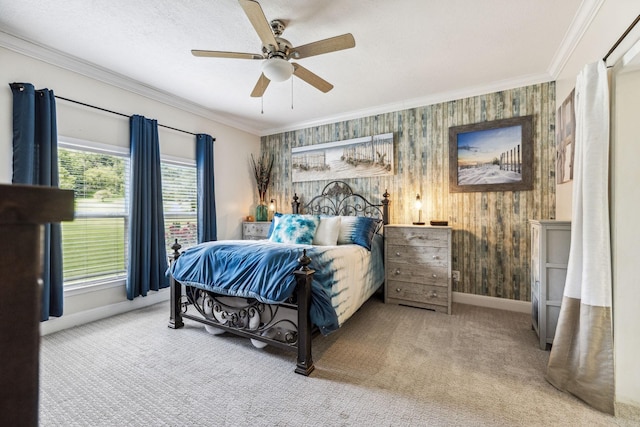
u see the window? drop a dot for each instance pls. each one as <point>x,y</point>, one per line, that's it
<point>179,196</point>
<point>94,245</point>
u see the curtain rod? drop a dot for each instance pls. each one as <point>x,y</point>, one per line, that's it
<point>120,114</point>
<point>617,43</point>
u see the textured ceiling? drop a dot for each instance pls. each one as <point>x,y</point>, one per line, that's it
<point>408,53</point>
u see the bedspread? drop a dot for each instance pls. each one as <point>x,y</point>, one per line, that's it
<point>345,275</point>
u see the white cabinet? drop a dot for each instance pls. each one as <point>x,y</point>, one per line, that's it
<point>550,242</point>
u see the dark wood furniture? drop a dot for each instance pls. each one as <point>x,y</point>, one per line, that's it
<point>22,211</point>
<point>337,198</point>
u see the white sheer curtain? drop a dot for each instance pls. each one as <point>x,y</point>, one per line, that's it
<point>581,360</point>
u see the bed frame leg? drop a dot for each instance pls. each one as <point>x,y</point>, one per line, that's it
<point>175,318</point>
<point>304,277</point>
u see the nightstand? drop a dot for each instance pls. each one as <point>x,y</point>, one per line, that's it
<point>257,230</point>
<point>418,266</point>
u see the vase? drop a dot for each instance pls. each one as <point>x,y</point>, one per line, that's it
<point>262,211</point>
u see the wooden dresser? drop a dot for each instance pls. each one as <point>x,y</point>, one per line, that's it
<point>418,266</point>
<point>256,230</point>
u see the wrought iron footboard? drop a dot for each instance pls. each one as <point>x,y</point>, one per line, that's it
<point>265,321</point>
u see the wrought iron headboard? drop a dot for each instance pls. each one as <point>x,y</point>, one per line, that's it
<point>337,198</point>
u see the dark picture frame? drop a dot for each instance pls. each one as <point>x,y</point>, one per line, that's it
<point>491,156</point>
<point>565,139</point>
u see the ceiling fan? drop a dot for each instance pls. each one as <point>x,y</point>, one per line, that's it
<point>277,52</point>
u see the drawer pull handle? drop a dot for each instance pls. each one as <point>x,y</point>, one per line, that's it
<point>397,253</point>
<point>435,276</point>
<point>397,271</point>
<point>433,294</point>
<point>436,257</point>
<point>398,289</point>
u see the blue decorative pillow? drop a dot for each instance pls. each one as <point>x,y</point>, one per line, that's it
<point>357,230</point>
<point>274,221</point>
<point>298,229</point>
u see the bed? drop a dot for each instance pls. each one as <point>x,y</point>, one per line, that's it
<point>317,267</point>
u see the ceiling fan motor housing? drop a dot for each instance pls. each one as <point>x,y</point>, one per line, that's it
<point>283,49</point>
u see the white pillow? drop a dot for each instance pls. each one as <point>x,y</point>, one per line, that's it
<point>327,231</point>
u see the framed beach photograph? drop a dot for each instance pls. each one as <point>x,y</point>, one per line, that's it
<point>364,157</point>
<point>491,156</point>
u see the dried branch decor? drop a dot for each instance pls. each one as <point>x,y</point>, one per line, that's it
<point>262,170</point>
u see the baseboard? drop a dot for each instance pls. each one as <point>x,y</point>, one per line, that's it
<point>56,324</point>
<point>492,302</point>
<point>628,410</point>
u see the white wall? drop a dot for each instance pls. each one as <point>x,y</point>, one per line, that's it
<point>612,19</point>
<point>234,182</point>
<point>625,232</point>
<point>607,26</point>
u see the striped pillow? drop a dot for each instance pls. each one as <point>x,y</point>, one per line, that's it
<point>357,230</point>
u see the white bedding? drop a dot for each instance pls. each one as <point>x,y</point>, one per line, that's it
<point>359,274</point>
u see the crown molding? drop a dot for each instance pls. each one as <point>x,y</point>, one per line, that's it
<point>85,68</point>
<point>583,18</point>
<point>581,21</point>
<point>418,102</point>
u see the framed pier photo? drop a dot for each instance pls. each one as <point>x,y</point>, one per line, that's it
<point>491,156</point>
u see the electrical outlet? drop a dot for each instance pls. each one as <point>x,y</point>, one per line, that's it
<point>455,275</point>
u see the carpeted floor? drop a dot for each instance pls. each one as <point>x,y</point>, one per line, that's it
<point>388,365</point>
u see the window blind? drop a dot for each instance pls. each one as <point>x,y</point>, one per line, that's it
<point>94,244</point>
<point>180,198</point>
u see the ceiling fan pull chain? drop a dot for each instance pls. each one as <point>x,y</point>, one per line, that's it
<point>262,104</point>
<point>292,94</point>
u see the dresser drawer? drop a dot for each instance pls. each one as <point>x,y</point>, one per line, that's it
<point>428,275</point>
<point>424,255</point>
<point>255,230</point>
<point>415,292</point>
<point>417,237</point>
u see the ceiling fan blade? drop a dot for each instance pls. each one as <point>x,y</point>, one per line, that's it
<point>314,80</point>
<point>345,41</point>
<point>254,12</point>
<point>260,87</point>
<point>218,54</point>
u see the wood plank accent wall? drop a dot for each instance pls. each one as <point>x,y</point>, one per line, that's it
<point>491,242</point>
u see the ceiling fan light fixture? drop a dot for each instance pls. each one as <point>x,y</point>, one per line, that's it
<point>277,69</point>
